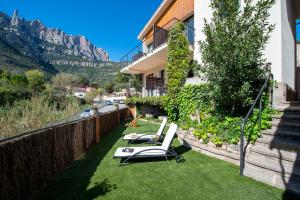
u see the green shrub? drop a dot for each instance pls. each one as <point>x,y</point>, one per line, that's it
<point>219,129</point>
<point>232,53</point>
<point>38,112</point>
<point>36,81</point>
<point>12,87</point>
<point>154,101</point>
<point>8,96</point>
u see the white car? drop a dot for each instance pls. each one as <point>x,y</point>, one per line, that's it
<point>121,102</point>
<point>85,113</point>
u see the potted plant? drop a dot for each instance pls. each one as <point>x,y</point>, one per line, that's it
<point>94,111</point>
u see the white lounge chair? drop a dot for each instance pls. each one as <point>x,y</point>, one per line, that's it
<point>153,138</point>
<point>164,150</point>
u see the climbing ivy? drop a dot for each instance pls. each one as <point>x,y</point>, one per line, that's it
<point>178,65</point>
<point>192,98</point>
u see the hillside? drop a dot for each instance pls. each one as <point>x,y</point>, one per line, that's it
<point>28,45</point>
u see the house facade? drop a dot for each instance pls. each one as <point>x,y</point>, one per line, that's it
<point>150,57</point>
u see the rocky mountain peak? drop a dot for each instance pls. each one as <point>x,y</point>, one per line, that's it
<point>64,44</point>
<point>15,18</point>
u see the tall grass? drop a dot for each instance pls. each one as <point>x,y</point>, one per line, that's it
<point>38,112</point>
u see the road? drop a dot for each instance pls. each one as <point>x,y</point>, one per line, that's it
<point>110,108</point>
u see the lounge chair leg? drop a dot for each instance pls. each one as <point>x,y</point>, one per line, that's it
<point>179,158</point>
<point>124,162</point>
<point>167,158</point>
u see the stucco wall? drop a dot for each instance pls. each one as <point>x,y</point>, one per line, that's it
<point>202,11</point>
<point>274,46</point>
<point>288,42</point>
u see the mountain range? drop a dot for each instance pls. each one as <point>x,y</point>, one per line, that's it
<point>30,44</point>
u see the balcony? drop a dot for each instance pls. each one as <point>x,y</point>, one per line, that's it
<point>152,52</point>
<point>154,87</point>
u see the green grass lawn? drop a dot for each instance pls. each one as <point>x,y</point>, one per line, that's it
<point>98,176</point>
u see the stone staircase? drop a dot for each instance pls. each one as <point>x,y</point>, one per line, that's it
<point>275,157</point>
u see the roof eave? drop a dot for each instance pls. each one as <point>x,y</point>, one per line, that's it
<point>160,10</point>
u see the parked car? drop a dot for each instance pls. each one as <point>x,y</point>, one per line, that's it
<point>85,113</point>
<point>121,102</point>
<point>107,102</point>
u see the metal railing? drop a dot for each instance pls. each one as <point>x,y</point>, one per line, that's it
<point>145,48</point>
<point>258,99</point>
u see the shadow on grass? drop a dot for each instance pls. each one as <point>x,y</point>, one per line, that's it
<point>75,182</point>
<point>100,189</point>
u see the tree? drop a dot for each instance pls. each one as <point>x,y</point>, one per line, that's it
<point>232,53</point>
<point>19,80</point>
<point>84,80</point>
<point>13,87</point>
<point>178,66</point>
<point>136,82</point>
<point>36,80</point>
<point>63,80</point>
<point>126,80</point>
<point>109,87</point>
<point>91,95</point>
<point>121,78</point>
<point>100,91</point>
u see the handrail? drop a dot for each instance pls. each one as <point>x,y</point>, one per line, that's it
<point>139,47</point>
<point>245,120</point>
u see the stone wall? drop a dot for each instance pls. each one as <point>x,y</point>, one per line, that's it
<point>29,161</point>
<point>229,153</point>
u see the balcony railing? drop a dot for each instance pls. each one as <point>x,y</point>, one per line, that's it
<point>158,38</point>
<point>156,84</point>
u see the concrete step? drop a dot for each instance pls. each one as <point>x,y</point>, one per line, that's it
<point>275,157</point>
<point>288,110</point>
<point>272,164</point>
<point>291,103</point>
<point>265,150</point>
<point>287,118</point>
<point>284,143</point>
<point>279,180</point>
<point>283,133</point>
<point>292,126</point>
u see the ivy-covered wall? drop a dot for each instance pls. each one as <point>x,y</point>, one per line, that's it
<point>192,98</point>
<point>178,66</point>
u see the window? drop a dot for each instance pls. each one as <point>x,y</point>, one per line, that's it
<point>162,73</point>
<point>190,29</point>
<point>150,47</point>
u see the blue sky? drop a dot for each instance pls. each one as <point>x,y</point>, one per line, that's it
<point>112,25</point>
